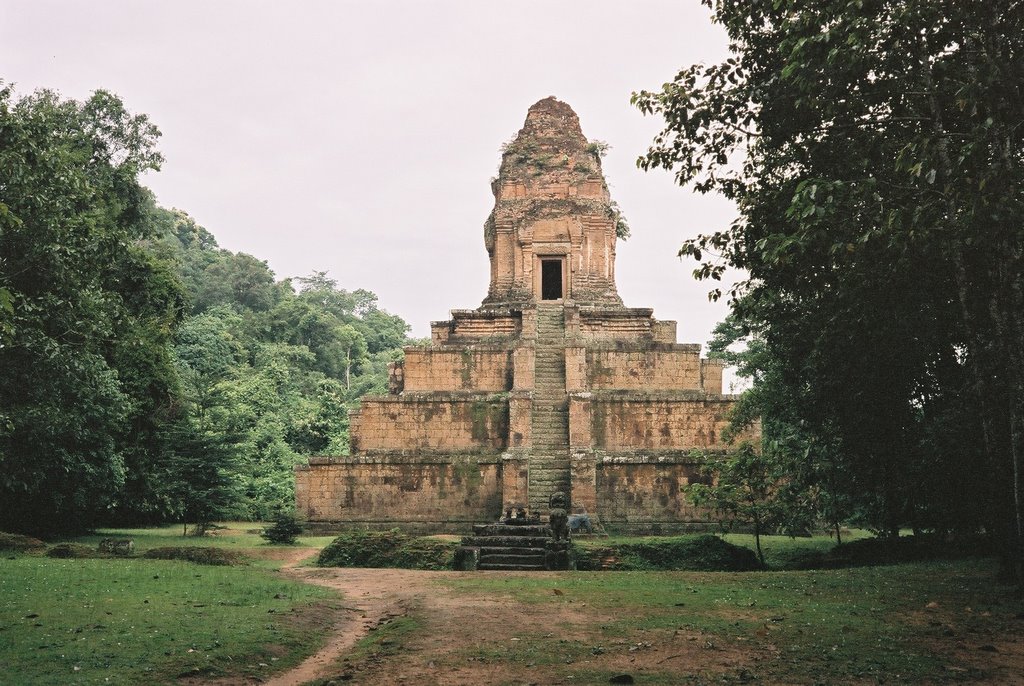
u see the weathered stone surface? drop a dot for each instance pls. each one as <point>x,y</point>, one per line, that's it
<point>467,558</point>
<point>552,385</point>
<point>551,202</point>
<point>510,530</point>
<point>117,546</point>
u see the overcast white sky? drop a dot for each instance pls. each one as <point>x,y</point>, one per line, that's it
<point>359,137</point>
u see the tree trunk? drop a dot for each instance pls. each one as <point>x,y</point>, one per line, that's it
<point>757,541</point>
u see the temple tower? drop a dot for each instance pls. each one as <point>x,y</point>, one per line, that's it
<point>551,235</point>
<point>552,384</point>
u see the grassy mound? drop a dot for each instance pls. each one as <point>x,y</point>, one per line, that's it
<point>19,543</point>
<point>703,552</point>
<point>797,559</point>
<point>198,554</point>
<point>387,549</point>
<point>885,551</point>
<point>73,550</point>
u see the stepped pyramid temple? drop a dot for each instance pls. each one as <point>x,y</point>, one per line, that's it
<point>550,385</point>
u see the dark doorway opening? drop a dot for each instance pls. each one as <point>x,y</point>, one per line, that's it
<point>551,279</point>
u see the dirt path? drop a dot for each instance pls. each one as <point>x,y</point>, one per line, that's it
<point>467,638</point>
<point>372,597</point>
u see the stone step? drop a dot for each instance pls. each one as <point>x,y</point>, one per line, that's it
<point>506,542</point>
<point>532,559</point>
<point>510,530</point>
<point>522,551</point>
<point>487,566</point>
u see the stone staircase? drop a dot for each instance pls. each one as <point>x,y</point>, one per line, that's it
<point>512,548</point>
<point>509,547</point>
<point>549,459</point>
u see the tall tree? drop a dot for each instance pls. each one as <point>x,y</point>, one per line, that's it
<point>875,151</point>
<point>85,311</point>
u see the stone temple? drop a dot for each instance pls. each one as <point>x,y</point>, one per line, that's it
<point>552,384</point>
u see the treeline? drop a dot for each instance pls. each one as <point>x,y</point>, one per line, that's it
<point>876,156</point>
<point>146,374</point>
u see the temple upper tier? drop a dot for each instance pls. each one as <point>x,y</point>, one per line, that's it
<point>551,235</point>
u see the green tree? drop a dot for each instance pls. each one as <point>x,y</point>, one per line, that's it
<point>753,489</point>
<point>874,149</point>
<point>817,477</point>
<point>87,314</point>
<point>201,476</point>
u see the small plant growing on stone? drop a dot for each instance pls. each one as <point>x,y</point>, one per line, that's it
<point>621,226</point>
<point>285,529</point>
<point>598,148</point>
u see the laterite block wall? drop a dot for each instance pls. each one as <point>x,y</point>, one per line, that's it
<point>436,422</point>
<point>469,369</point>
<point>429,493</point>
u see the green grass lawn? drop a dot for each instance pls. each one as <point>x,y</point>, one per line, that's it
<point>232,535</point>
<point>133,620</point>
<point>900,623</point>
<point>780,551</point>
<point>127,621</point>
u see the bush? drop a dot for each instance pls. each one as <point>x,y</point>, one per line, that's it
<point>285,529</point>
<point>387,549</point>
<point>703,553</point>
<point>19,543</point>
<point>198,554</point>
<point>73,550</point>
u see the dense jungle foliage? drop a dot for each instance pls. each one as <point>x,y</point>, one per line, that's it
<point>145,373</point>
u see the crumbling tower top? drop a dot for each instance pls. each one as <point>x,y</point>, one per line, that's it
<point>551,235</point>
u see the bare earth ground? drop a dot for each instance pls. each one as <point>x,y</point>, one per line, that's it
<point>478,639</point>
<point>481,625</point>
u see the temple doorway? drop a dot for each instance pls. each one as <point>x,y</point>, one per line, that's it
<point>551,279</point>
